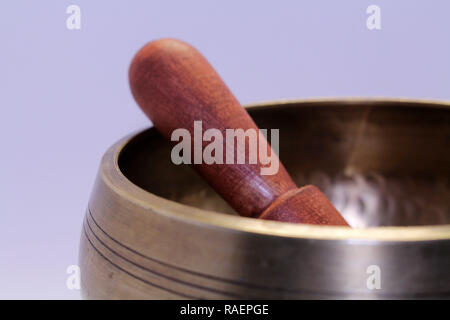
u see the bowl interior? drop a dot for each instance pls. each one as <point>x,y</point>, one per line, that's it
<point>381,162</point>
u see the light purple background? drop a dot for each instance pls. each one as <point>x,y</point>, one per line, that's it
<point>64,94</point>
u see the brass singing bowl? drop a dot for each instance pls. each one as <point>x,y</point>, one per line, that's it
<point>154,230</point>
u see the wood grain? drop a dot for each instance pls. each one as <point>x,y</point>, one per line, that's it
<point>175,85</point>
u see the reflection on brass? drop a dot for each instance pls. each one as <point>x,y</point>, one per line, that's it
<point>156,230</point>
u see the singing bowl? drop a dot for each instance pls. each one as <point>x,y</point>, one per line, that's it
<point>155,230</point>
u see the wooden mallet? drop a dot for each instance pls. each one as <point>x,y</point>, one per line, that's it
<point>175,85</point>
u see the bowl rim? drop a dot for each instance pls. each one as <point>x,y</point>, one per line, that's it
<point>112,175</point>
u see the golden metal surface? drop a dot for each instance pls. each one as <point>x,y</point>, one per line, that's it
<point>156,230</point>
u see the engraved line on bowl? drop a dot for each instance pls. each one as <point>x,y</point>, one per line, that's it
<point>137,277</point>
<point>183,282</point>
